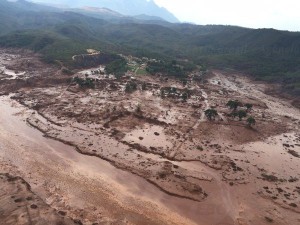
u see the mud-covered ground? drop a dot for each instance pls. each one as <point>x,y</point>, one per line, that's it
<point>19,205</point>
<point>176,166</point>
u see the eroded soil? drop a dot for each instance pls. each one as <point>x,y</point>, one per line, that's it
<point>104,155</point>
<point>19,205</point>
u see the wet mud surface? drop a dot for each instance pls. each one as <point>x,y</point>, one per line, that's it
<point>19,205</point>
<point>150,156</point>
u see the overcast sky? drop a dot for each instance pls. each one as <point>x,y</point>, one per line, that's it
<point>278,14</point>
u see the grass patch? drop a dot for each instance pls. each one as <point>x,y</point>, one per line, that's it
<point>141,72</point>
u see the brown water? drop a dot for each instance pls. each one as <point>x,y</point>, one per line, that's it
<point>43,160</point>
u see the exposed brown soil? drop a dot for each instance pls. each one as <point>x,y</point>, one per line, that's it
<point>226,171</point>
<point>19,205</point>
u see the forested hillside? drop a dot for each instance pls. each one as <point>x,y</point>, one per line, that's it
<point>266,54</point>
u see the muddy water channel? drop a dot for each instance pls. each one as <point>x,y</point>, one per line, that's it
<point>86,187</point>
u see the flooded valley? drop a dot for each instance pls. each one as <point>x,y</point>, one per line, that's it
<point>107,156</point>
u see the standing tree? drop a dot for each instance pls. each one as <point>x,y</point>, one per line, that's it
<point>248,106</point>
<point>233,104</point>
<point>84,83</point>
<point>162,93</point>
<point>138,108</point>
<point>233,114</point>
<point>130,87</point>
<point>211,114</point>
<point>184,96</point>
<point>251,121</point>
<point>241,114</point>
<point>144,86</point>
<point>118,68</point>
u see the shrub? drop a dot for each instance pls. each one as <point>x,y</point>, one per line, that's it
<point>211,114</point>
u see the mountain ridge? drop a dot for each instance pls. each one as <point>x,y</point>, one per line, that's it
<point>134,8</point>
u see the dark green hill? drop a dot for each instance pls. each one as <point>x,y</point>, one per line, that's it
<point>266,54</point>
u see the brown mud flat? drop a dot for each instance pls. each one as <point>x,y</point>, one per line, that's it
<point>209,172</point>
<point>19,205</point>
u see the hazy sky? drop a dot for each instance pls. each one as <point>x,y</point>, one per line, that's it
<point>279,14</point>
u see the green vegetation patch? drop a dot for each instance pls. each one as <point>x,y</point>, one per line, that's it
<point>141,72</point>
<point>118,67</point>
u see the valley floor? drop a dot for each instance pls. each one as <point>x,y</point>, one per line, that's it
<point>104,156</point>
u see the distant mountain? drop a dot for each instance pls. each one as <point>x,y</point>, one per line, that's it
<point>102,11</point>
<point>113,16</point>
<point>99,13</point>
<point>147,17</point>
<point>23,5</point>
<point>125,7</point>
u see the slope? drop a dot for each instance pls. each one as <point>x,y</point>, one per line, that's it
<point>266,54</point>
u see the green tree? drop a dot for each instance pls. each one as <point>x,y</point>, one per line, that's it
<point>241,114</point>
<point>138,108</point>
<point>248,106</point>
<point>169,68</point>
<point>118,68</point>
<point>144,86</point>
<point>84,83</point>
<point>233,104</point>
<point>184,96</point>
<point>234,114</point>
<point>130,87</point>
<point>162,93</point>
<point>251,121</point>
<point>211,114</point>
